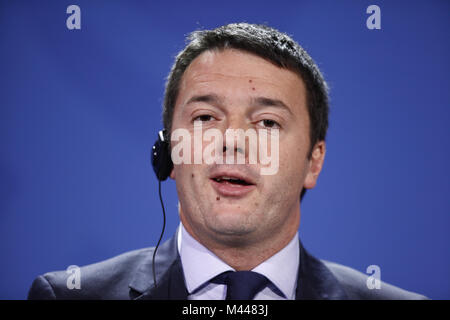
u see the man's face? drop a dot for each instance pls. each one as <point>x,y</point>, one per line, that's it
<point>232,89</point>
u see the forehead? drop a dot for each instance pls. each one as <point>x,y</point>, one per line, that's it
<point>236,73</point>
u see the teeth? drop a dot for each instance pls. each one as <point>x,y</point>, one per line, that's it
<point>226,178</point>
<point>230,179</point>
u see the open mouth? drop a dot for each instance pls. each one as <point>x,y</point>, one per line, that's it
<point>232,183</point>
<point>235,181</point>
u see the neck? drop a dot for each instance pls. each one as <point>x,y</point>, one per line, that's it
<point>243,254</point>
<point>249,257</point>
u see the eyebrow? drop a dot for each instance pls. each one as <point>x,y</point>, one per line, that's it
<point>269,102</point>
<point>214,99</point>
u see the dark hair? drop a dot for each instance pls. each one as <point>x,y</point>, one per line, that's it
<point>263,41</point>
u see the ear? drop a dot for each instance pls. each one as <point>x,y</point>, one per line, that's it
<point>315,165</point>
<point>172,174</point>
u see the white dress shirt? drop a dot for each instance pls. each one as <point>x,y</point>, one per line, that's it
<point>200,265</point>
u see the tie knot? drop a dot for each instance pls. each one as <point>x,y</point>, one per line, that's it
<point>241,285</point>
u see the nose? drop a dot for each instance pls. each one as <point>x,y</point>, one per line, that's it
<point>234,140</point>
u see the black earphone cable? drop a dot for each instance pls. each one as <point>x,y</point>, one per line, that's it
<point>162,231</point>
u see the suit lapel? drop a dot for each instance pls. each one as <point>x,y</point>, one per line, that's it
<point>315,281</point>
<point>170,284</point>
<point>169,287</point>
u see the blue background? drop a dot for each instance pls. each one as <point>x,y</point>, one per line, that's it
<point>80,111</point>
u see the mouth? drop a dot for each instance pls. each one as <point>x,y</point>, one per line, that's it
<point>231,180</point>
<point>232,184</point>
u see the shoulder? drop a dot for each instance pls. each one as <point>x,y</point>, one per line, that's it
<point>108,279</point>
<point>355,285</point>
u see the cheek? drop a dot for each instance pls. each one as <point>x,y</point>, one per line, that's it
<point>188,188</point>
<point>292,164</point>
<point>290,156</point>
<point>184,179</point>
<point>189,179</point>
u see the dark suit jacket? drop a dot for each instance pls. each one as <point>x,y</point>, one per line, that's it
<point>130,276</point>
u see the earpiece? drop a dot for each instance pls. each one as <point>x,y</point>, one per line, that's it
<point>162,165</point>
<point>161,160</point>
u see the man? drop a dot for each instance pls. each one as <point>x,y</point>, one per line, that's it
<point>238,235</point>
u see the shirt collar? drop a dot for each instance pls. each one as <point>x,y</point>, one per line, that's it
<point>282,268</point>
<point>201,265</point>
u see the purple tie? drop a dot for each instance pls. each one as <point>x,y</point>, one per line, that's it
<point>241,285</point>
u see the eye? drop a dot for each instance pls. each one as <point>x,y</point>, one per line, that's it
<point>267,123</point>
<point>203,118</point>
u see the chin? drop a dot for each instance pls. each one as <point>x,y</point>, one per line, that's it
<point>233,221</point>
<point>230,212</point>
